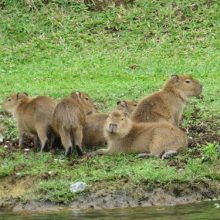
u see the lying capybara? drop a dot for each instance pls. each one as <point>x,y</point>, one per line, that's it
<point>33,115</point>
<point>93,130</point>
<point>160,139</point>
<point>167,104</point>
<point>69,118</point>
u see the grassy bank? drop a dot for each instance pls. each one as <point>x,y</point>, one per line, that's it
<point>119,53</point>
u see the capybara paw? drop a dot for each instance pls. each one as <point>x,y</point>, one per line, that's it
<point>168,154</point>
<point>141,155</point>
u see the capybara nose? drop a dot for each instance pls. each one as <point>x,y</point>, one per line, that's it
<point>112,126</point>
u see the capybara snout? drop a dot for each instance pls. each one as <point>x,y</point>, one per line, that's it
<point>112,127</point>
<point>116,121</point>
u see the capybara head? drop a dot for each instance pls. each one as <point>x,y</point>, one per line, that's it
<point>128,106</point>
<point>186,85</point>
<point>86,102</point>
<point>118,122</point>
<point>11,102</point>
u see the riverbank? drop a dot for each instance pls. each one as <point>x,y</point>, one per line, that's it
<point>123,197</point>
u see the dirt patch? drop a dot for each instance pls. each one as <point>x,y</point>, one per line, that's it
<point>204,132</point>
<point>14,187</point>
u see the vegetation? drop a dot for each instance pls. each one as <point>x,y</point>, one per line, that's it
<point>119,53</point>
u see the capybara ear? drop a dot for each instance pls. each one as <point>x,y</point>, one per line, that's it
<point>17,96</point>
<point>78,94</point>
<point>75,94</point>
<point>21,95</point>
<point>122,104</point>
<point>174,78</point>
<point>126,113</point>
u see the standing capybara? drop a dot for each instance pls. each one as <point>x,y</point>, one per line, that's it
<point>69,118</point>
<point>93,130</point>
<point>33,115</point>
<point>167,104</point>
<point>160,139</point>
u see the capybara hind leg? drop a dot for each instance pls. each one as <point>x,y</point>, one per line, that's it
<point>78,136</point>
<point>42,134</point>
<point>155,149</point>
<point>66,141</point>
<point>21,136</point>
<point>168,154</point>
<point>21,140</point>
<point>36,142</point>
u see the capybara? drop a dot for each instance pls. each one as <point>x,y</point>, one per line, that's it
<point>160,139</point>
<point>93,130</point>
<point>33,115</point>
<point>167,104</point>
<point>128,105</point>
<point>69,118</point>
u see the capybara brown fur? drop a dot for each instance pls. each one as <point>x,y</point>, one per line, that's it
<point>69,118</point>
<point>93,131</point>
<point>33,115</point>
<point>157,139</point>
<point>167,104</point>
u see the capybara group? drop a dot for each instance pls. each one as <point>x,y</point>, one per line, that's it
<point>158,139</point>
<point>148,126</point>
<point>33,115</point>
<point>167,104</point>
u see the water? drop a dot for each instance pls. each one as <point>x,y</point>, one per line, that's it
<point>206,211</point>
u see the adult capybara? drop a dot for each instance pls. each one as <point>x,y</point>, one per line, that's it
<point>167,104</point>
<point>33,115</point>
<point>69,119</point>
<point>160,139</point>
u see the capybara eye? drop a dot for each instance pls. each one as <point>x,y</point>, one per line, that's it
<point>9,99</point>
<point>87,98</point>
<point>122,119</point>
<point>135,105</point>
<point>188,81</point>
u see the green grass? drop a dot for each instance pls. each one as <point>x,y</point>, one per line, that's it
<point>57,49</point>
